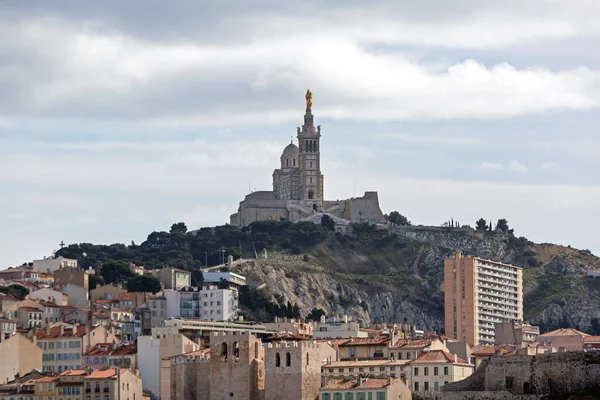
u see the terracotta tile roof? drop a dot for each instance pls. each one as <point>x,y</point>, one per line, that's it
<point>49,304</point>
<point>366,363</point>
<point>591,339</point>
<point>564,332</point>
<point>374,341</point>
<point>107,373</point>
<point>55,333</point>
<point>5,296</point>
<point>125,350</point>
<point>181,270</point>
<point>411,343</point>
<point>487,351</point>
<point>29,309</point>
<point>107,301</point>
<point>74,372</point>
<point>97,350</point>
<point>48,379</point>
<point>371,383</point>
<point>127,296</point>
<point>437,356</point>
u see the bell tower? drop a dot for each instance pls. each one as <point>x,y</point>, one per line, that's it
<point>309,156</point>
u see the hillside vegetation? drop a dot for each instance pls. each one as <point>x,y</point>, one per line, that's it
<point>376,275</point>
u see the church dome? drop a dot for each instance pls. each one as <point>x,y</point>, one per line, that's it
<point>290,148</point>
<point>289,156</point>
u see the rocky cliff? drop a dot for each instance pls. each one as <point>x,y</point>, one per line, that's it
<point>396,275</point>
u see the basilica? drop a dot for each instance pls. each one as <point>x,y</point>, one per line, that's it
<point>298,187</point>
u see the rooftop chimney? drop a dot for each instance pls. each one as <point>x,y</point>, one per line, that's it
<point>455,358</point>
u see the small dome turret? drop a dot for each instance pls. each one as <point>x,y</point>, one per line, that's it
<point>289,158</point>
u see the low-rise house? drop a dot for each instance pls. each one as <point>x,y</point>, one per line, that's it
<point>157,306</point>
<point>436,368</point>
<point>106,355</point>
<point>125,323</point>
<point>23,354</point>
<point>335,327</point>
<point>295,328</point>
<point>409,349</point>
<point>591,343</point>
<point>8,306</point>
<point>371,368</point>
<point>173,278</point>
<point>18,391</point>
<point>106,292</point>
<point>74,276</point>
<point>7,328</point>
<point>50,295</point>
<point>70,384</point>
<point>483,352</point>
<point>568,339</point>
<point>52,264</point>
<point>46,388</point>
<point>364,389</point>
<point>365,348</point>
<point>31,317</point>
<point>51,312</point>
<point>105,383</point>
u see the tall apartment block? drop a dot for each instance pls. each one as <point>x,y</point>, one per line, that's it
<point>478,293</point>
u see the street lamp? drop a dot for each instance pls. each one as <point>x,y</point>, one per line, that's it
<point>222,256</point>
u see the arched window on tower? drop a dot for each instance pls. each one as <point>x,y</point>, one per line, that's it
<point>287,162</point>
<point>288,360</point>
<point>256,353</point>
<point>306,146</point>
<point>235,350</point>
<point>223,352</point>
<point>294,161</point>
<point>316,146</point>
<point>277,360</point>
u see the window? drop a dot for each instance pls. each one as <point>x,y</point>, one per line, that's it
<point>350,369</point>
<point>416,371</point>
<point>340,369</point>
<point>436,386</point>
<point>337,396</point>
<point>435,370</point>
<point>416,386</point>
<point>426,386</point>
<point>277,360</point>
<point>426,371</point>
<point>445,370</point>
<point>360,396</point>
<point>325,396</point>
<point>223,352</point>
<point>509,382</point>
<point>380,395</point>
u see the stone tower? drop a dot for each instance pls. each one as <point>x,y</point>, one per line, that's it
<point>309,156</point>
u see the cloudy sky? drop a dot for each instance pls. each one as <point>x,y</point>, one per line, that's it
<point>120,118</point>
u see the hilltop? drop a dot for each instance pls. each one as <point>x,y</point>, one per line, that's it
<point>393,274</point>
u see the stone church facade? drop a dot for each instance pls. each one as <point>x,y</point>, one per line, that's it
<point>298,187</point>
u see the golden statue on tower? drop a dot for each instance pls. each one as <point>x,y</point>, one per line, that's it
<point>308,99</point>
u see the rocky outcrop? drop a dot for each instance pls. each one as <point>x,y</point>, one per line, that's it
<point>400,278</point>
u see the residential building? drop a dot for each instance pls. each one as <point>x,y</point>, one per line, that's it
<point>51,312</point>
<point>136,269</point>
<point>202,330</point>
<point>364,348</point>
<point>63,346</point>
<point>106,292</point>
<point>77,296</point>
<point>21,272</point>
<point>50,295</point>
<point>158,309</point>
<point>106,355</point>
<point>113,384</point>
<point>235,280</point>
<point>483,352</point>
<point>73,276</point>
<point>479,293</point>
<point>7,328</point>
<point>216,304</point>
<point>173,278</point>
<point>70,384</point>
<point>591,342</point>
<point>291,326</point>
<point>23,354</point>
<point>163,343</point>
<point>125,322</point>
<point>515,332</point>
<point>364,389</point>
<point>53,264</point>
<point>436,368</point>
<point>8,306</point>
<point>47,388</point>
<point>335,327</point>
<point>409,349</point>
<point>30,317</point>
<point>565,339</point>
<point>23,390</point>
<point>344,370</point>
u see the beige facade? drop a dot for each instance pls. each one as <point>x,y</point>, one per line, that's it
<point>74,276</point>
<point>23,354</point>
<point>364,389</point>
<point>173,278</point>
<point>479,293</point>
<point>515,332</point>
<point>7,328</point>
<point>566,339</point>
<point>434,369</point>
<point>189,376</point>
<point>107,292</point>
<point>337,328</point>
<point>50,295</point>
<point>113,384</point>
<point>8,306</point>
<point>53,264</point>
<point>293,369</point>
<point>294,328</point>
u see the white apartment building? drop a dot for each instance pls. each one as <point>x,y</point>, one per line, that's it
<point>218,304</point>
<point>53,264</point>
<point>215,277</point>
<point>479,293</point>
<point>336,327</point>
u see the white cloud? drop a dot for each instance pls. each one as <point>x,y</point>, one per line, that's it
<point>491,165</point>
<point>517,166</point>
<point>547,166</point>
<point>96,74</point>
